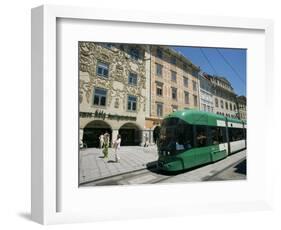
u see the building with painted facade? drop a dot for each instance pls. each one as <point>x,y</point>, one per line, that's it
<point>112,91</point>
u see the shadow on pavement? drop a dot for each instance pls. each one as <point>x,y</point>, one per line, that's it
<point>153,167</point>
<point>241,167</point>
<point>111,161</point>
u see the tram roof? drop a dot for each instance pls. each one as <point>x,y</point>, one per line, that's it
<point>200,117</point>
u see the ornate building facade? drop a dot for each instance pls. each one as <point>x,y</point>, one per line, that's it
<point>224,97</point>
<point>112,91</point>
<point>173,86</point>
<point>242,107</point>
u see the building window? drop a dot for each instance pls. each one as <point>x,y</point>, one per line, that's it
<point>100,97</point>
<point>159,89</point>
<point>185,81</point>
<point>159,69</point>
<point>132,103</point>
<point>173,60</point>
<point>174,93</point>
<point>230,106</point>
<point>134,52</point>
<point>173,76</point>
<point>217,102</point>
<point>222,104</point>
<point>195,73</point>
<point>159,109</point>
<point>226,105</point>
<point>186,97</point>
<point>204,107</point>
<point>132,79</point>
<point>194,85</point>
<point>234,107</point>
<point>195,100</point>
<point>159,53</point>
<point>102,69</point>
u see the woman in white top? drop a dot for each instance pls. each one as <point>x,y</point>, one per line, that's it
<point>101,140</point>
<point>117,143</point>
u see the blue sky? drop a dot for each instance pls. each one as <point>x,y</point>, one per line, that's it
<point>229,63</point>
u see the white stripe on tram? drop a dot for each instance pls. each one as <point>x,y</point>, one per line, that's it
<point>234,125</point>
<point>221,123</point>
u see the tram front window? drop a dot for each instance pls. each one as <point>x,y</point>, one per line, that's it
<point>175,136</point>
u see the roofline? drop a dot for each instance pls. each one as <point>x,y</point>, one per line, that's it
<point>180,56</point>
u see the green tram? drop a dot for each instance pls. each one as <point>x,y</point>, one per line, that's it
<point>189,138</point>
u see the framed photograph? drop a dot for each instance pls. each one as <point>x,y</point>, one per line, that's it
<point>145,114</point>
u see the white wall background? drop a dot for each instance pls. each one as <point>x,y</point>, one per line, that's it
<point>15,113</point>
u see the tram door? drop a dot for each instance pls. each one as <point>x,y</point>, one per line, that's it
<point>201,143</point>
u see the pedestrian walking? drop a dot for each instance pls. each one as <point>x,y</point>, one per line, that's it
<point>116,146</point>
<point>105,145</point>
<point>145,140</point>
<point>101,138</point>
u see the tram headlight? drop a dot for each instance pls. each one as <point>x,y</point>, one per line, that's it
<point>166,153</point>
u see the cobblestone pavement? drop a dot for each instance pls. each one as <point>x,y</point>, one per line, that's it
<point>93,166</point>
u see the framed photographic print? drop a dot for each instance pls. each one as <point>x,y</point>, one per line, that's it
<point>141,114</point>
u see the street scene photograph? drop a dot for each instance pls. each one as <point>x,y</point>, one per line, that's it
<point>152,114</point>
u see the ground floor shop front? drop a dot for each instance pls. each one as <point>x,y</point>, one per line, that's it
<point>133,133</point>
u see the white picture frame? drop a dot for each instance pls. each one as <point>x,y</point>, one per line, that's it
<point>55,199</point>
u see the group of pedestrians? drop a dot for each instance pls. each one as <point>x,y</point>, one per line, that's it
<point>104,145</point>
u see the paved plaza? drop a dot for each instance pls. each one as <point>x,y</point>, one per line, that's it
<point>93,166</point>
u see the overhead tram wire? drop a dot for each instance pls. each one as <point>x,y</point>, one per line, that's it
<point>229,64</point>
<point>209,62</point>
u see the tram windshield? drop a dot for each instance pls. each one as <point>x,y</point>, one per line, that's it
<point>175,135</point>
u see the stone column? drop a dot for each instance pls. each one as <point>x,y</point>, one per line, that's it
<point>151,141</point>
<point>81,132</point>
<point>114,136</point>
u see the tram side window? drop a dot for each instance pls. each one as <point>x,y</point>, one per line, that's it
<point>217,135</point>
<point>201,136</point>
<point>236,134</point>
<point>185,135</point>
